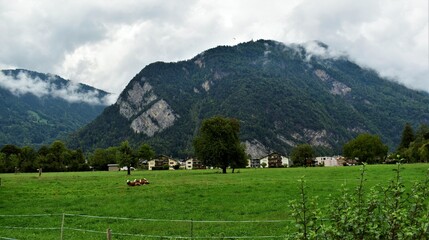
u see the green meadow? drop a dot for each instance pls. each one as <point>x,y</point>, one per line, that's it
<point>199,204</point>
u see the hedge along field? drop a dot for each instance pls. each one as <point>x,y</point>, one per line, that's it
<point>196,203</point>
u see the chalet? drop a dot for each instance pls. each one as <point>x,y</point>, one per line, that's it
<point>274,160</point>
<point>254,163</point>
<point>162,162</point>
<point>193,163</point>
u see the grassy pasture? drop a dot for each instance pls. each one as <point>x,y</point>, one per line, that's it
<point>198,203</point>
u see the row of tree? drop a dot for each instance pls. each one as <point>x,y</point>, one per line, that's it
<point>58,158</point>
<point>217,144</point>
<point>414,146</point>
<point>367,148</point>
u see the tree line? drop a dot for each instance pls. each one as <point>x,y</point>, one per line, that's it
<point>217,144</point>
<point>367,148</point>
<point>58,158</point>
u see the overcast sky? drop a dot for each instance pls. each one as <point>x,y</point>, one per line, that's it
<point>106,43</point>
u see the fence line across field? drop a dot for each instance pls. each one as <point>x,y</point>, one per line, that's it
<point>110,233</point>
<point>179,220</point>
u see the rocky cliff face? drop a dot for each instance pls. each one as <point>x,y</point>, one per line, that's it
<point>283,95</point>
<point>148,114</point>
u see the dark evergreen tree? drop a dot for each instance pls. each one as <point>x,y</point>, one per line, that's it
<point>407,137</point>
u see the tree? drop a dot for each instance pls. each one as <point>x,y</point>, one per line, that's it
<point>217,143</point>
<point>127,155</point>
<point>303,155</point>
<point>28,159</point>
<point>145,152</point>
<point>407,137</point>
<point>366,148</point>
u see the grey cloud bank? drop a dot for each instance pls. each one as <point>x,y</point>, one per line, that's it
<point>105,43</point>
<point>72,92</point>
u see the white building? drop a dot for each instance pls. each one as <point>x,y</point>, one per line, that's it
<point>328,161</point>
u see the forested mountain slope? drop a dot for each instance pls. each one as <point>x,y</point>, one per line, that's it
<point>283,95</point>
<point>37,108</point>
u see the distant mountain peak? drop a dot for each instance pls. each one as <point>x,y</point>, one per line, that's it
<point>21,82</point>
<point>283,95</point>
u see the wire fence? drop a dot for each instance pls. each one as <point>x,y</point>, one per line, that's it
<point>78,226</point>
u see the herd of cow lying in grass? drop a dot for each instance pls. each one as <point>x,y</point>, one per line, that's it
<point>137,182</point>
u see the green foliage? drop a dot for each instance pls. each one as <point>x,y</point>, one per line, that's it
<point>389,212</point>
<point>407,137</point>
<point>366,148</point>
<point>145,152</point>
<point>56,157</point>
<point>306,213</point>
<point>28,120</point>
<point>127,158</point>
<point>303,155</point>
<point>217,143</point>
<point>418,149</point>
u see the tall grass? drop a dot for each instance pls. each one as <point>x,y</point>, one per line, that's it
<point>198,201</point>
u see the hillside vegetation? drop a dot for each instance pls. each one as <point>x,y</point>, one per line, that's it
<point>35,112</point>
<point>283,95</point>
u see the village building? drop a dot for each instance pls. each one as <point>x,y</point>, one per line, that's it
<point>254,163</point>
<point>113,167</point>
<point>275,160</point>
<point>328,161</point>
<point>193,163</point>
<point>162,162</point>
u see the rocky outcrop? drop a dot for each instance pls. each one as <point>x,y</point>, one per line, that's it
<point>156,119</point>
<point>337,88</point>
<point>256,149</point>
<point>136,99</point>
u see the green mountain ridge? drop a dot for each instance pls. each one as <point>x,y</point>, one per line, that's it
<point>37,108</point>
<point>283,95</point>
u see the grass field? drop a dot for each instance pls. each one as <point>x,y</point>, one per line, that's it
<point>197,203</point>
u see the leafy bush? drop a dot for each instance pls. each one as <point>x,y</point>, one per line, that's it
<point>382,212</point>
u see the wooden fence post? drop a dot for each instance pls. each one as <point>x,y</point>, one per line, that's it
<point>192,228</point>
<point>62,227</point>
<point>109,234</point>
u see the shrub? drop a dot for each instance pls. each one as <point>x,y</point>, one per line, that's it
<point>382,212</point>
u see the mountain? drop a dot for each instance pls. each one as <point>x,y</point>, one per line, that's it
<point>38,108</point>
<point>283,95</point>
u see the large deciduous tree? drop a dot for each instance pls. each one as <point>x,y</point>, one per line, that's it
<point>217,143</point>
<point>303,155</point>
<point>366,148</point>
<point>145,152</point>
<point>127,158</point>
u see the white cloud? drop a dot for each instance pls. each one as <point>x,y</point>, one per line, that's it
<point>104,44</point>
<point>73,93</point>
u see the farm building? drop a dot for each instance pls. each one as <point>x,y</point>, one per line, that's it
<point>113,167</point>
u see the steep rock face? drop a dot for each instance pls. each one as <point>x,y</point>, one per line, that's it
<point>136,99</point>
<point>283,95</point>
<point>157,118</point>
